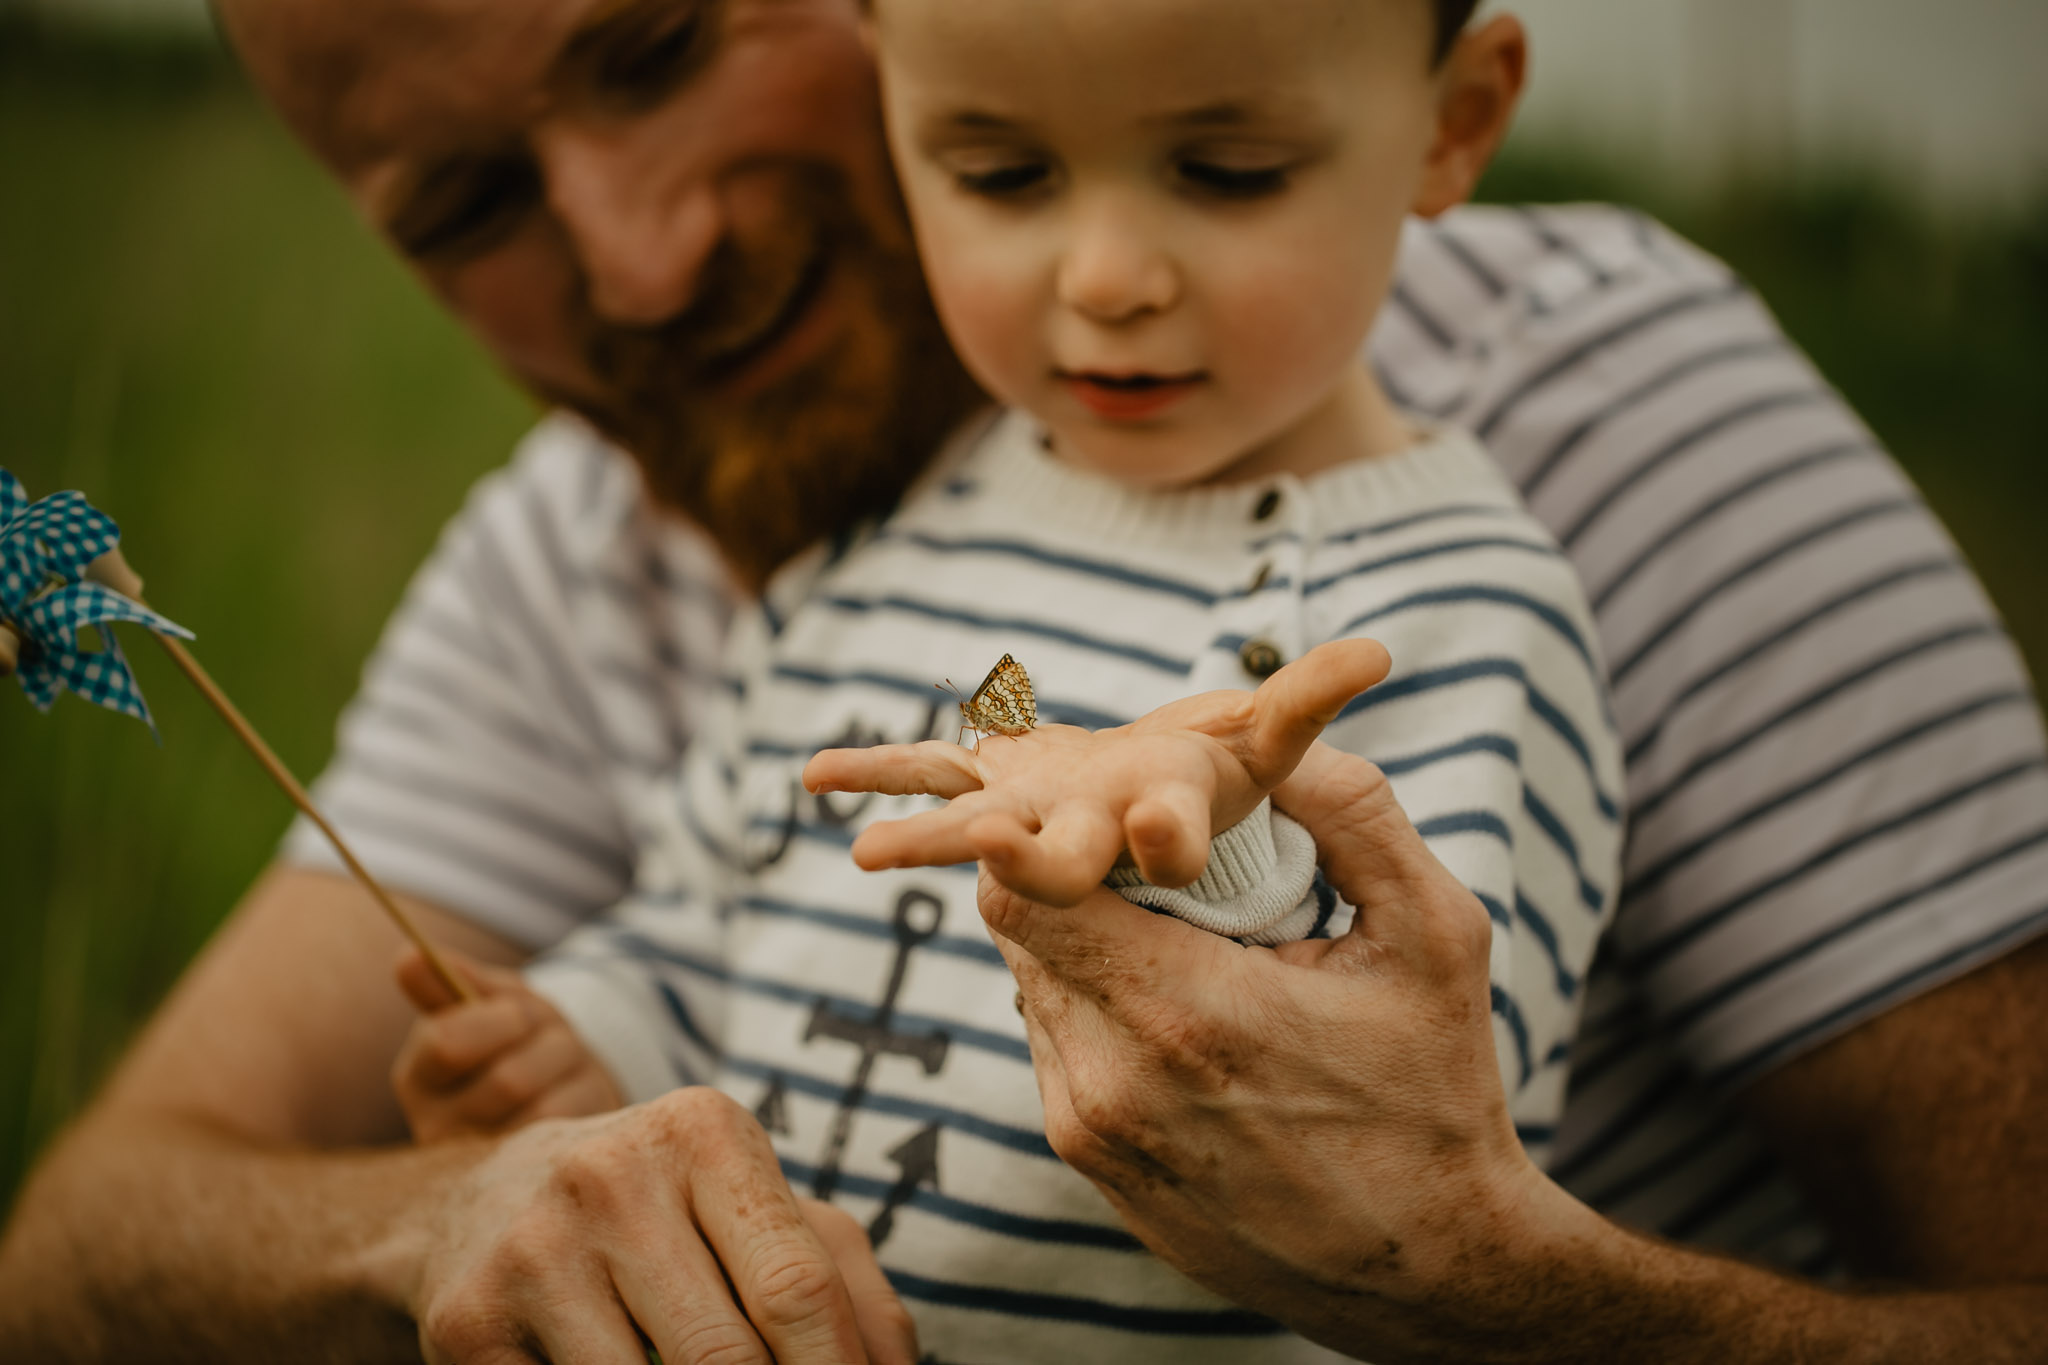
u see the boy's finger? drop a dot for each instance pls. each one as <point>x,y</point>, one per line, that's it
<point>428,992</point>
<point>453,1044</point>
<point>422,986</point>
<point>934,838</point>
<point>589,1091</point>
<point>1168,834</point>
<point>1060,863</point>
<point>932,768</point>
<point>519,1075</point>
<point>1291,708</point>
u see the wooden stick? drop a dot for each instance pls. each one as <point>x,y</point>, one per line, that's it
<point>281,775</point>
<point>112,571</point>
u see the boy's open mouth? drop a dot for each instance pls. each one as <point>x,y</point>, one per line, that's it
<point>1129,395</point>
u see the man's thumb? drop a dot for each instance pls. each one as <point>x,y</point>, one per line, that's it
<point>1375,859</point>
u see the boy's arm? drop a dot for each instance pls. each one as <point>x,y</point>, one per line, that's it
<point>1049,812</point>
<point>219,1203</point>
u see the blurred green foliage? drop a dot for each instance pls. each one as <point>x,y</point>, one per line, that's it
<point>194,329</point>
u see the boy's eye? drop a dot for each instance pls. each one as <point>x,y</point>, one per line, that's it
<point>1232,182</point>
<point>1001,181</point>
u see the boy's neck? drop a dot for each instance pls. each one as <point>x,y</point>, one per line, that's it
<point>1355,421</point>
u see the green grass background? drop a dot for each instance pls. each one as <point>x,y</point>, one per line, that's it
<point>195,330</point>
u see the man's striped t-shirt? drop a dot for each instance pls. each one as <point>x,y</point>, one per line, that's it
<point>866,1017</point>
<point>1836,782</point>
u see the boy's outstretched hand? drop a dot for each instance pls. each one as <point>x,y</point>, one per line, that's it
<point>1048,812</point>
<point>492,1064</point>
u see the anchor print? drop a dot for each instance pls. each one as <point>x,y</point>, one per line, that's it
<point>916,921</point>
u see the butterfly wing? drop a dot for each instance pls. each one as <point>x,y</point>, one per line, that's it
<point>1004,703</point>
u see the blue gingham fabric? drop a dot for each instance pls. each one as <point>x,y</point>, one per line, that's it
<point>45,549</point>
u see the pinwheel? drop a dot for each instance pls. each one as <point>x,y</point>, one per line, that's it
<point>46,548</point>
<point>61,570</point>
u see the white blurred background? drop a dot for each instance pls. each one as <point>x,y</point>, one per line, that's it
<point>1945,100</point>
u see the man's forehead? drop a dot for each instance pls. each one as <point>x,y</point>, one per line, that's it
<point>365,80</point>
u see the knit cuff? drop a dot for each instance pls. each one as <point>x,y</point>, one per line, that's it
<point>1255,887</point>
<point>610,1019</point>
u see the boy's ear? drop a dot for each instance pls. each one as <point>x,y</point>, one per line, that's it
<point>1477,90</point>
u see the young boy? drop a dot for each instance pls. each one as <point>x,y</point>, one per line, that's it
<point>1159,230</point>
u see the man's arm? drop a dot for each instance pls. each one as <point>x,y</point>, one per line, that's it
<point>217,1202</point>
<point>1214,1093</point>
<point>172,1196</point>
<point>1919,1134</point>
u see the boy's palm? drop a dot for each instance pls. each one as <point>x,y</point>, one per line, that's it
<point>1050,811</point>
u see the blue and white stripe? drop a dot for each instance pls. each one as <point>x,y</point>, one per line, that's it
<point>1658,421</point>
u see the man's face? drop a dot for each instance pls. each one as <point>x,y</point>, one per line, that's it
<point>674,216</point>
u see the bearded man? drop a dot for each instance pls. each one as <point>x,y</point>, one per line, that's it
<point>1815,1039</point>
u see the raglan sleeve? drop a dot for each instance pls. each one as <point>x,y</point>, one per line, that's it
<point>478,766</point>
<point>1496,733</point>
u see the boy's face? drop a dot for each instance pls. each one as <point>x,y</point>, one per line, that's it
<point>1162,226</point>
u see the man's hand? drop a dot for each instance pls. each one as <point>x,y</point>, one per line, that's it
<point>240,1193</point>
<point>1049,811</point>
<point>670,1222</point>
<point>1215,1093</point>
<point>1318,1132</point>
<point>492,1064</point>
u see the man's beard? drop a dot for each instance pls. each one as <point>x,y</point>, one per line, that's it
<point>813,453</point>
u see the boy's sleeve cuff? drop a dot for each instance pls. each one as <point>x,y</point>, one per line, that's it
<point>1255,887</point>
<point>610,1018</point>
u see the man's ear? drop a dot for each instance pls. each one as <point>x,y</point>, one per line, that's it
<point>1477,91</point>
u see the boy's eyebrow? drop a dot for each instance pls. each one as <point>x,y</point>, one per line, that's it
<point>1230,113</point>
<point>1234,113</point>
<point>976,121</point>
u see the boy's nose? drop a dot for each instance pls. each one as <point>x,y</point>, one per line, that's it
<point>1114,270</point>
<point>641,238</point>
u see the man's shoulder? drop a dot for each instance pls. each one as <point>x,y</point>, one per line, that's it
<point>570,507</point>
<point>1538,260</point>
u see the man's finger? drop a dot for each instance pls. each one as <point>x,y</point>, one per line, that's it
<point>593,1327</point>
<point>1372,855</point>
<point>932,768</point>
<point>679,1297</point>
<point>885,1326</point>
<point>783,1276</point>
<point>1101,932</point>
<point>1291,708</point>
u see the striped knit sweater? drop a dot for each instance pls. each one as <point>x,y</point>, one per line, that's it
<point>867,1017</point>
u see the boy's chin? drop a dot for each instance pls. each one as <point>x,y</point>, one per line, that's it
<point>1151,459</point>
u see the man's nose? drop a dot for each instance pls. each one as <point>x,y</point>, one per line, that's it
<point>642,230</point>
<point>1114,267</point>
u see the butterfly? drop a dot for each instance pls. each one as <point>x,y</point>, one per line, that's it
<point>1002,705</point>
